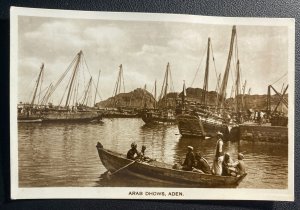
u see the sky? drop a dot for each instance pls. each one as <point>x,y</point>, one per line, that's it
<point>144,48</point>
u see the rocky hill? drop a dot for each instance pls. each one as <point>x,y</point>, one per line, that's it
<point>139,98</point>
<point>256,102</point>
<point>195,95</point>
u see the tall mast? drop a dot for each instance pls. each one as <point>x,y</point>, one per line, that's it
<point>144,101</point>
<point>117,89</point>
<point>183,95</point>
<point>166,87</point>
<point>86,91</point>
<point>232,91</point>
<point>249,91</point>
<point>37,83</point>
<point>237,86</point>
<point>120,76</point>
<point>226,74</point>
<point>73,76</point>
<point>218,89</point>
<point>155,94</point>
<point>244,90</point>
<point>218,83</point>
<point>97,87</point>
<point>205,83</point>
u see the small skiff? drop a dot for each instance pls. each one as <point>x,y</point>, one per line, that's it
<point>155,171</point>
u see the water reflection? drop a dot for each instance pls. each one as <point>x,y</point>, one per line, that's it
<point>65,154</point>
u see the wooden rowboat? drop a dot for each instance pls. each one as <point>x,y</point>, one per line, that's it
<point>155,171</point>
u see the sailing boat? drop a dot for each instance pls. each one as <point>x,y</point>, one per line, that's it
<point>163,114</point>
<point>116,108</point>
<point>73,110</point>
<point>31,112</point>
<point>203,122</point>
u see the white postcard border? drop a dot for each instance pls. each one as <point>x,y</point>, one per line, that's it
<point>123,192</point>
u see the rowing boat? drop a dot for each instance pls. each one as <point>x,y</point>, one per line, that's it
<point>154,171</point>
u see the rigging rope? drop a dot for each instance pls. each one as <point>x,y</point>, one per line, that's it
<point>63,76</point>
<point>279,78</point>
<point>91,75</point>
<point>162,88</point>
<point>198,68</point>
<point>64,92</point>
<point>213,57</point>
<point>41,81</point>
<point>171,80</point>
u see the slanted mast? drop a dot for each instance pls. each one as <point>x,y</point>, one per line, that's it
<point>223,88</point>
<point>205,83</point>
<point>38,81</point>
<point>165,86</point>
<point>119,82</point>
<point>73,77</point>
<point>237,88</point>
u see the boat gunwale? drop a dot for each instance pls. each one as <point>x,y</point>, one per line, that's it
<point>237,180</point>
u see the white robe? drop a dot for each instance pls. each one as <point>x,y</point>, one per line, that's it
<point>217,166</point>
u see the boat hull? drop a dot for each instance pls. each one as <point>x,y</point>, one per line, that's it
<point>72,117</point>
<point>151,118</point>
<point>163,173</point>
<point>30,119</point>
<point>193,125</point>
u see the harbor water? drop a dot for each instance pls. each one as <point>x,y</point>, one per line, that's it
<point>65,154</point>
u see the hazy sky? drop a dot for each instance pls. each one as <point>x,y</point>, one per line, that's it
<point>144,49</point>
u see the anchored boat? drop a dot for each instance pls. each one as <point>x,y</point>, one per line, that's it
<point>75,108</point>
<point>163,113</point>
<point>202,120</point>
<point>155,171</point>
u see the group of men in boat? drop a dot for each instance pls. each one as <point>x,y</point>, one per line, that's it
<point>134,154</point>
<point>222,164</point>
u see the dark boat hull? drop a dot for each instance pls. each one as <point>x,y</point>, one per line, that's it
<point>30,119</point>
<point>150,118</point>
<point>163,173</point>
<point>71,117</point>
<point>119,115</point>
<point>193,125</point>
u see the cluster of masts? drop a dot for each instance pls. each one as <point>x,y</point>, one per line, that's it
<point>71,98</point>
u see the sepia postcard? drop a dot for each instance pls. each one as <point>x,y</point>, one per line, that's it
<point>151,106</point>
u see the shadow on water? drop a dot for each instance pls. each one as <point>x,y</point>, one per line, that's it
<point>125,180</point>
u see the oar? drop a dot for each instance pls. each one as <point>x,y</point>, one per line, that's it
<point>108,175</point>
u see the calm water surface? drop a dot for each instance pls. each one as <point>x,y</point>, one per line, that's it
<point>64,155</point>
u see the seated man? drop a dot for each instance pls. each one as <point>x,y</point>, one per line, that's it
<point>227,166</point>
<point>142,156</point>
<point>239,165</point>
<point>189,161</point>
<point>132,154</point>
<point>202,164</point>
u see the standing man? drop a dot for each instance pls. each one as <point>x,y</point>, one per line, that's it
<point>219,148</point>
<point>217,164</point>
